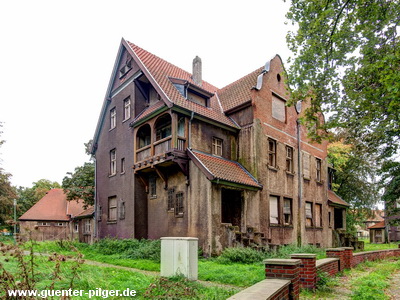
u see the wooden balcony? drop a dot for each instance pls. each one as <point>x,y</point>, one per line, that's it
<point>162,153</point>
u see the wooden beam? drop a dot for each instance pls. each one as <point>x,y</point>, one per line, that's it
<point>163,176</point>
<point>144,181</point>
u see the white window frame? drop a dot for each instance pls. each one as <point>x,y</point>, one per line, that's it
<point>127,108</point>
<point>113,118</point>
<point>112,209</point>
<point>217,145</point>
<point>113,162</point>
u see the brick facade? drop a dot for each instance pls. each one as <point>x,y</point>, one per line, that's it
<point>308,271</point>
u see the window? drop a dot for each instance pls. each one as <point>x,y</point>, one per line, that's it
<point>181,127</point>
<point>127,108</point>
<point>163,127</point>
<point>123,165</point>
<point>113,162</point>
<point>287,211</point>
<point>306,165</point>
<point>152,186</point>
<point>170,204</point>
<point>121,210</point>
<point>61,224</point>
<point>271,152</point>
<point>43,224</point>
<point>309,214</point>
<point>99,213</point>
<point>273,210</point>
<point>126,67</point>
<point>87,226</point>
<point>113,118</point>
<point>76,227</point>
<point>330,219</point>
<point>289,159</point>
<point>143,136</point>
<point>318,164</point>
<point>278,109</point>
<point>112,209</point>
<point>217,146</point>
<point>179,204</point>
<point>318,215</point>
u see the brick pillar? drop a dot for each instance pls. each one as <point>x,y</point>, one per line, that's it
<point>337,253</point>
<point>285,269</point>
<point>348,257</point>
<point>308,270</point>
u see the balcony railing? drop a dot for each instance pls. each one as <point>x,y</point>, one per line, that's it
<point>162,146</point>
<point>143,153</point>
<point>181,144</point>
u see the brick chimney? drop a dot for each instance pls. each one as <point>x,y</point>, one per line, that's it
<point>197,71</point>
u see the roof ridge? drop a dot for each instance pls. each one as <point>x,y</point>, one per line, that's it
<point>240,79</point>
<point>172,64</point>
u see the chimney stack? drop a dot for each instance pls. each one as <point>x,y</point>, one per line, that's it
<point>197,71</point>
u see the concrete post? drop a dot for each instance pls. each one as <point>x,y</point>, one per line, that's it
<point>285,269</point>
<point>308,270</point>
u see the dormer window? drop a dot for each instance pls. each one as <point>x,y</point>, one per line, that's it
<point>192,92</point>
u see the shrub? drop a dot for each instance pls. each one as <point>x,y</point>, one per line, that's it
<point>240,255</point>
<point>147,249</point>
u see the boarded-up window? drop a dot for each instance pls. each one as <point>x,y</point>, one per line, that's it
<point>273,210</point>
<point>309,214</point>
<point>87,226</point>
<point>287,211</point>
<point>122,210</point>
<point>112,209</point>
<point>278,109</point>
<point>306,165</point>
<point>318,215</point>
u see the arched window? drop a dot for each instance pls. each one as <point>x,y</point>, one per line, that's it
<point>163,127</point>
<point>143,136</point>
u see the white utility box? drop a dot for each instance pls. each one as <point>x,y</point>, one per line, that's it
<point>179,256</point>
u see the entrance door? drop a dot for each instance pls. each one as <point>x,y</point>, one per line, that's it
<point>231,206</point>
<point>338,215</point>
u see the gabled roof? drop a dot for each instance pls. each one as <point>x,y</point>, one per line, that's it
<point>379,225</point>
<point>239,91</point>
<point>222,170</point>
<point>377,216</point>
<point>160,72</point>
<point>335,200</point>
<point>53,207</point>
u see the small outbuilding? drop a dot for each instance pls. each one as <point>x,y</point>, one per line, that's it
<point>51,218</point>
<point>377,233</point>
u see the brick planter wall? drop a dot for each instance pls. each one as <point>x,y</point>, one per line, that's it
<point>348,257</point>
<point>328,265</point>
<point>308,271</point>
<point>337,253</point>
<point>285,269</point>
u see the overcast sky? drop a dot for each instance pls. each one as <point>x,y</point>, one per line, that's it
<point>56,59</point>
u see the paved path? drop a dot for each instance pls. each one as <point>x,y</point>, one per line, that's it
<point>394,290</point>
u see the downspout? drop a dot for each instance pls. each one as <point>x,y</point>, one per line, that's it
<point>95,202</point>
<point>300,182</point>
<point>190,131</point>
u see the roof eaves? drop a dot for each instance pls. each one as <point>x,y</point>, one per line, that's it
<point>200,165</point>
<point>166,99</point>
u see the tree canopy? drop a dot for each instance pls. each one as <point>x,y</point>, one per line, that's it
<point>27,197</point>
<point>80,184</point>
<point>347,59</point>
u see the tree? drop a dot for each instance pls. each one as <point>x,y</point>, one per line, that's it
<point>80,184</point>
<point>347,59</point>
<point>354,180</point>
<point>391,196</point>
<point>27,197</point>
<point>7,194</point>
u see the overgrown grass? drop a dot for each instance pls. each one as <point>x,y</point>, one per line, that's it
<point>108,278</point>
<point>373,284</point>
<point>373,247</point>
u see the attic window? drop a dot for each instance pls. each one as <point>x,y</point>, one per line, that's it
<point>126,67</point>
<point>192,92</point>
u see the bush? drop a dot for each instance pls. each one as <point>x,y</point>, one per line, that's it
<point>240,255</point>
<point>130,248</point>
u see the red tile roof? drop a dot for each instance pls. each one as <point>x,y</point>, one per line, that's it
<point>162,71</point>
<point>53,207</point>
<point>378,225</point>
<point>86,213</point>
<point>335,199</point>
<point>149,110</point>
<point>238,92</point>
<point>217,167</point>
<point>377,216</point>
